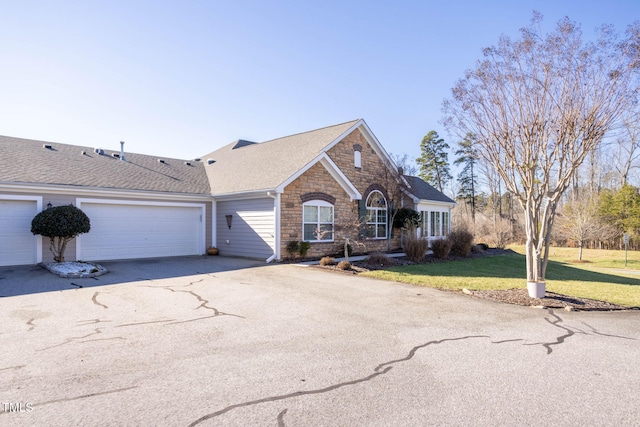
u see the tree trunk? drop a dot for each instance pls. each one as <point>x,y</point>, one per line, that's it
<point>532,252</point>
<point>580,252</point>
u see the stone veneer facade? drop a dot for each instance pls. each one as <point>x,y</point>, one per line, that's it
<point>318,180</point>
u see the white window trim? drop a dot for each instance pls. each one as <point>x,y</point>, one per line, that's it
<point>386,203</point>
<point>357,159</point>
<point>320,203</point>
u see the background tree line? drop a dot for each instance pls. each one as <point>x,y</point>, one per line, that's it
<point>601,205</point>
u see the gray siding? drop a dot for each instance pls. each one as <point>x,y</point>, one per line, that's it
<point>252,232</point>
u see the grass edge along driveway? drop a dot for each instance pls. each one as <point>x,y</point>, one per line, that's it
<point>508,272</point>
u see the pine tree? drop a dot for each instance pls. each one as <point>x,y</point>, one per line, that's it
<point>434,160</point>
<point>467,177</point>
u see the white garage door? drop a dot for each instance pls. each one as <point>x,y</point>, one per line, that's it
<point>17,245</point>
<point>122,231</point>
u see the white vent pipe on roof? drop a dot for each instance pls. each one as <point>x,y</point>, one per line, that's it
<point>121,150</point>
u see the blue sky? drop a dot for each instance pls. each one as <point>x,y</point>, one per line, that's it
<point>180,79</point>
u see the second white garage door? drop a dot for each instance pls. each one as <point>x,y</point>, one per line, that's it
<point>124,231</point>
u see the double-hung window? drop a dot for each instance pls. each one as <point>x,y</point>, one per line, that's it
<point>317,221</point>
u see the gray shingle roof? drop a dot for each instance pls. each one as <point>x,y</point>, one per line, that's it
<point>422,190</point>
<point>27,161</point>
<point>243,167</point>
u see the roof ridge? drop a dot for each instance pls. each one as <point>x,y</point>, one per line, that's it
<point>310,131</point>
<point>91,148</point>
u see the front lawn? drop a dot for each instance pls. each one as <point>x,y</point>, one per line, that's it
<point>584,280</point>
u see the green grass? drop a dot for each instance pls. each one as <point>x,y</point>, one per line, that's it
<point>586,280</point>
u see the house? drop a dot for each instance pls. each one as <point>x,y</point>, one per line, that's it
<point>248,199</point>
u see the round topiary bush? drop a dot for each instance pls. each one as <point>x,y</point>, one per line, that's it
<point>60,224</point>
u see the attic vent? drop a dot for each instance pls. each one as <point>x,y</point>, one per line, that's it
<point>242,143</point>
<point>99,151</point>
<point>197,159</point>
<point>210,161</point>
<point>47,146</point>
<point>116,155</point>
<point>82,153</point>
<point>161,161</point>
<point>187,163</point>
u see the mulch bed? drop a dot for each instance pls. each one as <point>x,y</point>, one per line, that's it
<point>510,296</point>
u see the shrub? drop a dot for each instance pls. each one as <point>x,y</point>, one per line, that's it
<point>484,246</point>
<point>60,224</point>
<point>292,248</point>
<point>344,265</point>
<point>477,249</point>
<point>304,248</point>
<point>441,248</point>
<point>327,260</point>
<point>379,259</point>
<point>461,242</point>
<point>414,246</point>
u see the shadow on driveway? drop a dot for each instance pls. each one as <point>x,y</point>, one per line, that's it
<point>23,280</point>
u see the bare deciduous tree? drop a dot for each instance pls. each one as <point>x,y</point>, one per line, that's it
<point>538,106</point>
<point>581,223</point>
<point>627,147</point>
<point>408,164</point>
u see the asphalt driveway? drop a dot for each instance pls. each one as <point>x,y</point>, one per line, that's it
<point>222,341</point>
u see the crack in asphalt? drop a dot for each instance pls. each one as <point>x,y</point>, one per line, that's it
<point>13,367</point>
<point>72,339</point>
<point>73,284</point>
<point>570,331</point>
<point>92,321</point>
<point>194,282</point>
<point>287,396</point>
<point>378,370</point>
<point>559,339</point>
<point>177,322</point>
<point>84,396</point>
<point>203,304</point>
<point>385,367</point>
<point>595,331</point>
<point>413,351</point>
<point>281,418</point>
<point>95,300</point>
<point>124,325</point>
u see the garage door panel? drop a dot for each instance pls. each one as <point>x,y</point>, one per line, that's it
<point>121,231</point>
<point>17,245</point>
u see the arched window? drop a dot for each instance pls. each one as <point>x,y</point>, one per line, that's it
<point>376,215</point>
<point>317,221</point>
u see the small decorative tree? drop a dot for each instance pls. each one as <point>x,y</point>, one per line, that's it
<point>60,224</point>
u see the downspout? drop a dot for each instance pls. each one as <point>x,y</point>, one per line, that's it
<point>214,221</point>
<point>277,213</point>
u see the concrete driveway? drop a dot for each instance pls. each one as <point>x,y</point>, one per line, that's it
<point>220,341</point>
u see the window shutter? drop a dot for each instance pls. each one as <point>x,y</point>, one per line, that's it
<point>362,217</point>
<point>390,211</point>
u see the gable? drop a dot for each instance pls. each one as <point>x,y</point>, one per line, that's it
<point>268,165</point>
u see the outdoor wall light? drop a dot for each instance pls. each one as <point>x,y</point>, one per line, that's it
<point>49,205</point>
<point>229,219</point>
